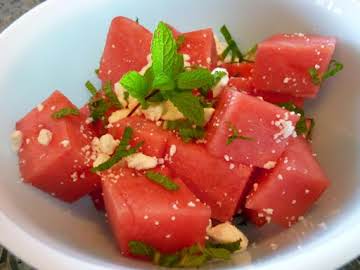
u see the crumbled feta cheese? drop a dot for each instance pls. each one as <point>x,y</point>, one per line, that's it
<point>45,137</point>
<point>268,211</point>
<point>269,165</point>
<point>154,112</point>
<point>286,127</point>
<point>108,144</point>
<point>286,80</point>
<point>232,166</point>
<point>222,83</point>
<point>40,107</point>
<point>53,108</point>
<point>120,93</point>
<point>118,115</point>
<point>101,158</point>
<point>139,161</point>
<point>89,120</point>
<point>16,140</point>
<point>95,145</point>
<point>65,143</point>
<point>208,113</point>
<point>171,112</point>
<point>147,66</point>
<point>225,233</point>
<point>191,204</point>
<point>226,157</point>
<point>280,177</point>
<point>172,150</point>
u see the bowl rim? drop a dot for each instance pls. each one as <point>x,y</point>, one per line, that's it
<point>336,251</point>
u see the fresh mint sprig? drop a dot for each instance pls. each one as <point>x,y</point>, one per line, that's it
<point>234,135</point>
<point>232,47</point>
<point>333,68</point>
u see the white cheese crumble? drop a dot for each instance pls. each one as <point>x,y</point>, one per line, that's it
<point>139,161</point>
<point>108,144</point>
<point>171,112</point>
<point>65,143</point>
<point>154,112</point>
<point>40,107</point>
<point>208,113</point>
<point>280,177</point>
<point>222,83</point>
<point>172,150</point>
<point>118,115</point>
<point>16,140</point>
<point>269,165</point>
<point>286,127</point>
<point>147,66</point>
<point>100,159</point>
<point>225,233</point>
<point>191,204</point>
<point>45,137</point>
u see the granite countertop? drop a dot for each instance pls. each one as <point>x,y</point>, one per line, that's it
<point>10,10</point>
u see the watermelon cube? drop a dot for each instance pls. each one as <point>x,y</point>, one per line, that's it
<point>154,137</point>
<point>243,69</point>
<point>285,194</point>
<point>127,47</point>
<point>218,183</point>
<point>201,48</point>
<point>55,154</point>
<point>138,209</point>
<point>283,61</point>
<point>265,129</point>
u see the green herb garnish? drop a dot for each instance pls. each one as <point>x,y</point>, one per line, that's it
<point>98,108</point>
<point>235,135</point>
<point>109,93</point>
<point>194,256</point>
<point>162,180</point>
<point>179,41</point>
<point>250,54</point>
<point>136,85</point>
<point>64,112</point>
<point>197,78</point>
<point>232,47</point>
<point>92,89</point>
<point>121,151</point>
<point>137,20</point>
<point>333,69</point>
<point>187,130</point>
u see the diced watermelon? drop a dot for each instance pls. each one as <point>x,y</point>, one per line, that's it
<point>98,199</point>
<point>291,188</point>
<point>141,210</point>
<point>283,61</point>
<point>216,182</point>
<point>60,168</point>
<point>127,47</point>
<point>154,137</point>
<point>244,69</point>
<point>266,128</point>
<point>200,46</point>
<point>247,85</point>
<point>97,126</point>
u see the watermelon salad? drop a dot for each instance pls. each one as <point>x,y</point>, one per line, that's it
<point>185,136</point>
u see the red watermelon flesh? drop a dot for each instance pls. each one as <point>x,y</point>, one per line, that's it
<point>247,85</point>
<point>98,199</point>
<point>201,48</point>
<point>141,210</point>
<point>283,61</point>
<point>244,69</point>
<point>154,137</point>
<point>62,167</point>
<point>216,182</point>
<point>291,188</point>
<point>127,47</point>
<point>266,127</point>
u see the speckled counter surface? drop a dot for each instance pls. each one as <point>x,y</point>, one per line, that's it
<point>10,10</point>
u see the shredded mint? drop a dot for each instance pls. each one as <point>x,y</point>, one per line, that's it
<point>64,112</point>
<point>187,130</point>
<point>333,68</point>
<point>109,93</point>
<point>98,108</point>
<point>232,47</point>
<point>251,53</point>
<point>162,180</point>
<point>141,249</point>
<point>121,151</point>
<point>91,88</point>
<point>234,135</point>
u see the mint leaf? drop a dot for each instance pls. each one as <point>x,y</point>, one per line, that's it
<point>91,88</point>
<point>163,51</point>
<point>186,129</point>
<point>121,151</point>
<point>251,53</point>
<point>109,93</point>
<point>197,78</point>
<point>162,180</point>
<point>163,83</point>
<point>333,69</point>
<point>232,46</point>
<point>218,253</point>
<point>234,135</point>
<point>179,64</point>
<point>138,248</point>
<point>193,260</point>
<point>98,108</point>
<point>188,105</point>
<point>315,78</point>
<point>136,85</point>
<point>65,112</point>
<point>231,247</point>
<point>169,260</point>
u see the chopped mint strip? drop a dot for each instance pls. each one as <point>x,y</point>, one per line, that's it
<point>232,46</point>
<point>98,108</point>
<point>334,68</point>
<point>235,135</point>
<point>136,85</point>
<point>162,180</point>
<point>187,130</point>
<point>180,40</point>
<point>231,247</point>
<point>218,253</point>
<point>111,95</point>
<point>141,249</point>
<point>192,260</point>
<point>92,89</point>
<point>120,152</point>
<point>188,105</point>
<point>64,112</point>
<point>137,20</point>
<point>251,53</point>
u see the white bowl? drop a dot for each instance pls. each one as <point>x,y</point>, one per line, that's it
<point>59,44</point>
